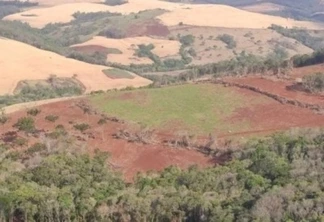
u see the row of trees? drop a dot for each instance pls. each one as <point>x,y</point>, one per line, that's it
<point>10,7</point>
<point>275,179</point>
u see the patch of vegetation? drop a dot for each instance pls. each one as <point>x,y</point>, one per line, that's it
<point>192,52</point>
<point>146,51</point>
<point>81,127</point>
<point>11,7</point>
<point>187,40</point>
<point>228,40</point>
<point>317,57</point>
<point>102,121</point>
<point>31,36</point>
<point>51,118</point>
<point>115,2</point>
<point>58,132</point>
<point>33,111</point>
<point>3,117</point>
<point>26,124</point>
<point>117,74</point>
<point>53,87</point>
<point>20,141</point>
<point>314,83</point>
<point>268,179</point>
<point>301,35</point>
<point>36,148</point>
<point>164,106</point>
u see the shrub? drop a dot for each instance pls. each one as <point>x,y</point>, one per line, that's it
<point>192,52</point>
<point>187,40</point>
<point>37,147</point>
<point>51,118</point>
<point>81,127</point>
<point>20,141</point>
<point>228,40</point>
<point>314,83</point>
<point>14,155</point>
<point>33,112</point>
<point>102,121</point>
<point>58,132</point>
<point>26,124</point>
<point>3,117</point>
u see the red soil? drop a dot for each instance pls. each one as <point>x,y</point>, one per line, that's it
<point>272,116</point>
<point>307,70</point>
<point>150,28</point>
<point>281,88</point>
<point>129,158</point>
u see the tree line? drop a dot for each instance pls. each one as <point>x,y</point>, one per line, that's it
<point>275,179</point>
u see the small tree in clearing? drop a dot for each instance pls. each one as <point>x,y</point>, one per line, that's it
<point>81,127</point>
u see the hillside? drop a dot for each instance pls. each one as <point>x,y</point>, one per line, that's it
<point>298,9</point>
<point>184,13</point>
<point>23,62</point>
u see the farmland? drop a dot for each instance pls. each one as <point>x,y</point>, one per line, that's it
<point>91,76</point>
<point>151,110</point>
<point>176,107</point>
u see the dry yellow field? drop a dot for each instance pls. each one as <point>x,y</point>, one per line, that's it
<point>20,61</point>
<point>63,13</point>
<point>229,17</point>
<point>163,48</point>
<point>197,15</point>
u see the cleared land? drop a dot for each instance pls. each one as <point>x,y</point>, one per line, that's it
<point>196,108</point>
<point>20,61</point>
<point>225,112</point>
<point>127,46</point>
<point>129,158</point>
<point>209,15</point>
<point>209,48</point>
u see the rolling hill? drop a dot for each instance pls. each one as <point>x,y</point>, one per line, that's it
<point>210,15</point>
<point>23,62</point>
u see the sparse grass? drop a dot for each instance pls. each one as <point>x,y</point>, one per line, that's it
<point>117,74</point>
<point>197,108</point>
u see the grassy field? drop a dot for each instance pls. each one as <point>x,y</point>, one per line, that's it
<point>195,108</point>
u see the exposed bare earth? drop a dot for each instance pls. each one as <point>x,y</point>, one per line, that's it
<point>209,15</point>
<point>20,61</point>
<point>129,158</point>
<point>163,48</point>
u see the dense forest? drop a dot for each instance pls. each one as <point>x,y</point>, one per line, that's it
<point>274,179</point>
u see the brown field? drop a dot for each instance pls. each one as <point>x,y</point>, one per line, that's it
<point>20,61</point>
<point>256,41</point>
<point>209,15</point>
<point>163,48</point>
